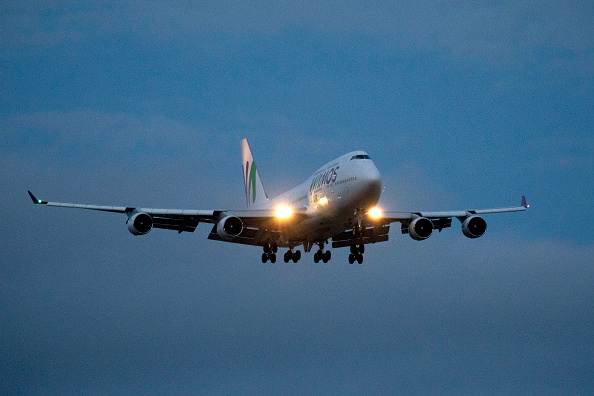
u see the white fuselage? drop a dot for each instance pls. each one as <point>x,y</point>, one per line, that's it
<point>333,197</point>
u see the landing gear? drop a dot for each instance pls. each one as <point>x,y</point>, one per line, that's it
<point>270,252</point>
<point>292,255</point>
<point>271,257</point>
<point>356,253</point>
<point>355,257</point>
<point>321,255</point>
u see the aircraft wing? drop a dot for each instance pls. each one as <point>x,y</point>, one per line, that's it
<point>440,220</point>
<point>406,216</point>
<point>258,224</point>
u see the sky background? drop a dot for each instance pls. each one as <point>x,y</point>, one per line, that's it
<point>463,105</point>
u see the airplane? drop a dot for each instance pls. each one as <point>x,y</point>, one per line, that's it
<point>336,203</point>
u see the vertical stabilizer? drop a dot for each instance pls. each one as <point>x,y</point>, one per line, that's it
<point>254,191</point>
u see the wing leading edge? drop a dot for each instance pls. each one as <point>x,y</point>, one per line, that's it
<point>185,220</point>
<point>404,216</point>
<point>441,220</point>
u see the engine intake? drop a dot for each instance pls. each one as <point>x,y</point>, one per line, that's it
<point>474,227</point>
<point>140,224</point>
<point>420,228</point>
<point>229,227</point>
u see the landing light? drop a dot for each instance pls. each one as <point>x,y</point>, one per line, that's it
<point>283,212</point>
<point>375,213</point>
<point>323,201</point>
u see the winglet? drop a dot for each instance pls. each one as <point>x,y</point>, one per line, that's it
<point>524,204</point>
<point>35,200</point>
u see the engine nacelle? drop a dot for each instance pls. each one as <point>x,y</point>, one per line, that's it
<point>420,228</point>
<point>474,227</point>
<point>140,224</point>
<point>229,227</point>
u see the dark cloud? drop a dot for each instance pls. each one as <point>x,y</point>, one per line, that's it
<point>503,33</point>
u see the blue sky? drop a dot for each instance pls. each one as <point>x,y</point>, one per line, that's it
<point>141,103</point>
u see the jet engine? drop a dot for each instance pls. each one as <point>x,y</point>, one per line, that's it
<point>420,228</point>
<point>229,227</point>
<point>474,227</point>
<point>140,224</point>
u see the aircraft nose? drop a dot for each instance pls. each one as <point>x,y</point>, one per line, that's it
<point>372,181</point>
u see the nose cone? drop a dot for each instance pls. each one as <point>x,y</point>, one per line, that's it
<point>374,182</point>
<point>371,185</point>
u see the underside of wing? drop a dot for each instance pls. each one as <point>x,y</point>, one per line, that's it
<point>420,225</point>
<point>251,226</point>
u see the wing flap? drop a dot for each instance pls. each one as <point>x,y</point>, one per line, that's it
<point>370,235</point>
<point>179,224</point>
<point>438,224</point>
<point>249,236</point>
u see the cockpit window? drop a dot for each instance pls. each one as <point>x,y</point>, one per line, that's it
<point>360,156</point>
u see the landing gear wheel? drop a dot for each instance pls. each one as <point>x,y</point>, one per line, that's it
<point>354,249</point>
<point>327,256</point>
<point>351,258</point>
<point>274,247</point>
<point>264,257</point>
<point>287,256</point>
<point>273,258</point>
<point>298,254</point>
<point>361,248</point>
<point>317,257</point>
<point>360,258</point>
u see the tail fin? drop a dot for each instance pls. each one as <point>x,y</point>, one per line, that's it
<point>254,191</point>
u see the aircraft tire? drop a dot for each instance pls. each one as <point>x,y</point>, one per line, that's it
<point>327,256</point>
<point>317,257</point>
<point>351,258</point>
<point>273,258</point>
<point>298,255</point>
<point>264,258</point>
<point>361,248</point>
<point>360,259</point>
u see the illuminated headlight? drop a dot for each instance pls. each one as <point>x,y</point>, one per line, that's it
<point>283,212</point>
<point>323,201</point>
<point>375,213</point>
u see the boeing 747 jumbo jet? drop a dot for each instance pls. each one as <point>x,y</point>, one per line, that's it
<point>337,203</point>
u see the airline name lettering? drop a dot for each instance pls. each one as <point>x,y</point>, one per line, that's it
<point>324,178</point>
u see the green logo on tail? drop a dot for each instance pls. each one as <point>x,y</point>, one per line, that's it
<point>250,182</point>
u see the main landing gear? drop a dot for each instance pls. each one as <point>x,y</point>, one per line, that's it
<point>292,255</point>
<point>321,255</point>
<point>270,250</point>
<point>356,253</point>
